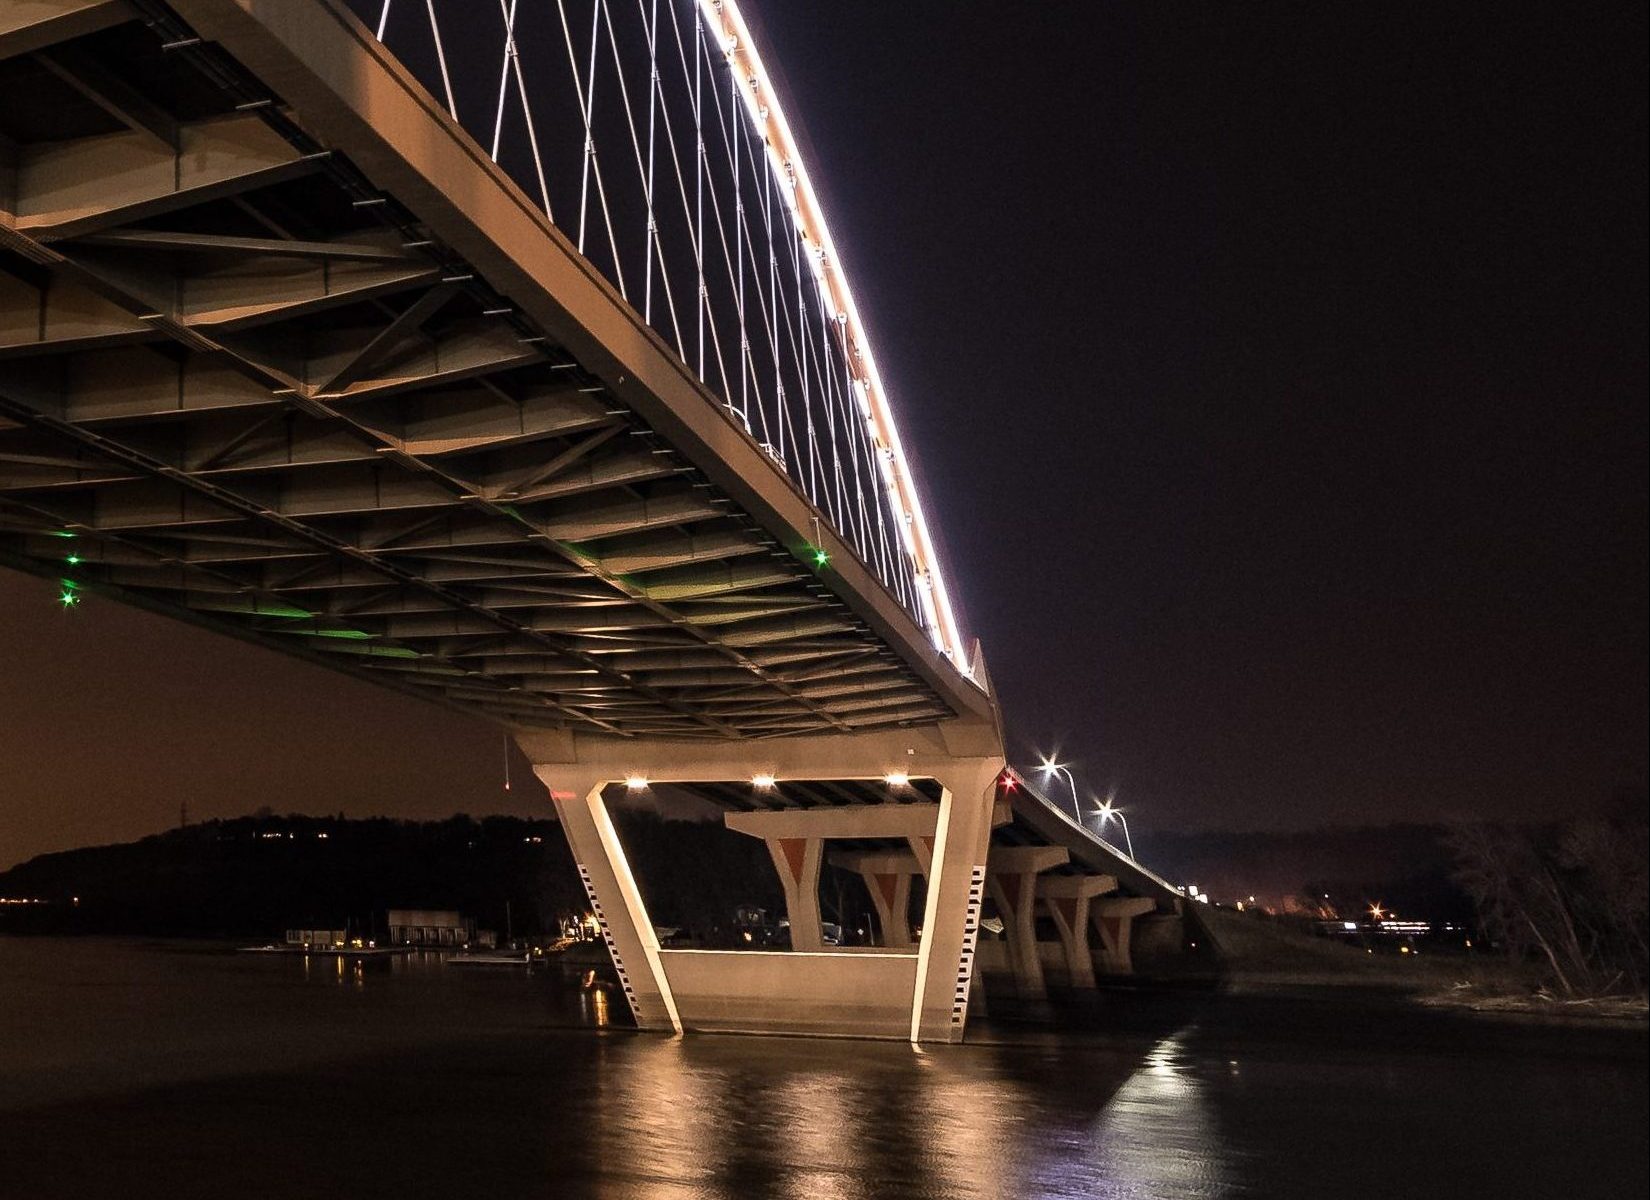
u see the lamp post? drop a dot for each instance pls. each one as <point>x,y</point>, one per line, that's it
<point>1051,768</point>
<point>1108,810</point>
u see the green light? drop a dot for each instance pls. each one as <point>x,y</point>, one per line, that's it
<point>281,610</point>
<point>63,533</point>
<point>821,558</point>
<point>73,560</point>
<point>349,634</point>
<point>67,598</point>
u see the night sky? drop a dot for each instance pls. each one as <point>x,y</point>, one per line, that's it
<point>1277,375</point>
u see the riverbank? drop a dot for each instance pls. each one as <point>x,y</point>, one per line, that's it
<point>1260,957</point>
<point>1541,1005</point>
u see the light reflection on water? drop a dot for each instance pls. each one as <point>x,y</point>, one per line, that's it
<point>1159,1136</point>
<point>189,1070</point>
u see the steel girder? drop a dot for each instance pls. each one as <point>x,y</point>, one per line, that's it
<point>239,385</point>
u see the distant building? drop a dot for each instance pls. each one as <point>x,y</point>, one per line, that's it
<point>428,927</point>
<point>314,938</point>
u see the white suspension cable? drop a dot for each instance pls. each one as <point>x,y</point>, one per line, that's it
<point>441,57</point>
<point>651,24</point>
<point>595,160</point>
<point>509,15</point>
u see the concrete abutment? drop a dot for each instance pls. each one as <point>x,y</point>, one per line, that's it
<point>916,989</point>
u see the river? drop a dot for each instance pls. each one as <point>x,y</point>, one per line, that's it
<point>170,1070</point>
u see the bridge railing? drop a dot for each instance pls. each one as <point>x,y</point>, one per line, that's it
<point>649,132</point>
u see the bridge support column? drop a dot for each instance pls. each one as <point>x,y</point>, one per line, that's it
<point>1114,919</point>
<point>916,991</point>
<point>797,860</point>
<point>891,896</point>
<point>1013,881</point>
<point>1068,898</point>
<point>887,876</point>
<point>614,897</point>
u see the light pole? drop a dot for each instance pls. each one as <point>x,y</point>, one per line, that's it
<point>1051,768</point>
<point>1108,810</point>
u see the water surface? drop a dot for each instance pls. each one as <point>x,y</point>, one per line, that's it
<point>140,1070</point>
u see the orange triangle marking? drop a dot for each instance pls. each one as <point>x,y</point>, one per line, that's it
<point>886,885</point>
<point>794,850</point>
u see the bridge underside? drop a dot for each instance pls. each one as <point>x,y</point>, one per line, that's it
<point>246,380</point>
<point>283,353</point>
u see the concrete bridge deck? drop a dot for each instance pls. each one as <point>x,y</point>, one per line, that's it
<point>285,352</point>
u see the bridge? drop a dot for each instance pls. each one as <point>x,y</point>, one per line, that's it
<point>504,357</point>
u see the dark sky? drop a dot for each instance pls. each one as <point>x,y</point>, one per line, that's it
<point>1278,378</point>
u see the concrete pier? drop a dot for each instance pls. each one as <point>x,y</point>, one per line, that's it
<point>917,990</point>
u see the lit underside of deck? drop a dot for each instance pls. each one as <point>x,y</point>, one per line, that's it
<point>243,383</point>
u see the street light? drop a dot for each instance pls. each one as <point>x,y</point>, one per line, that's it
<point>1108,810</point>
<point>1049,769</point>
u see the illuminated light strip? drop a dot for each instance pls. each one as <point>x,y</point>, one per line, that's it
<point>971,933</point>
<point>762,105</point>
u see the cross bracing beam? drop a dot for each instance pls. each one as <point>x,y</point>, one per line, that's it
<point>235,289</point>
<point>260,392</point>
<point>35,25</point>
<point>64,189</point>
<point>55,315</point>
<point>483,417</point>
<point>216,244</point>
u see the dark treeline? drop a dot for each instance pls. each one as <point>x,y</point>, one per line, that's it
<point>1570,897</point>
<point>257,876</point>
<point>254,877</point>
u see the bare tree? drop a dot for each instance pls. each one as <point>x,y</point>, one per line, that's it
<point>1570,896</point>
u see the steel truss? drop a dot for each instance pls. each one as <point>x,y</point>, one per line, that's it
<point>238,384</point>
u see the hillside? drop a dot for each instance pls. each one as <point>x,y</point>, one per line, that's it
<point>256,876</point>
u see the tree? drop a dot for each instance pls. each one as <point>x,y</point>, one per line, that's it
<point>1570,896</point>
